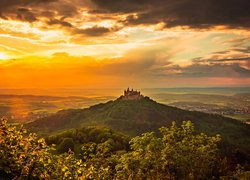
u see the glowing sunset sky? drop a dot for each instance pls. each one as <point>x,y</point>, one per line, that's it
<point>116,43</point>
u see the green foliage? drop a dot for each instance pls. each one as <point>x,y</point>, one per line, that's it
<point>100,160</point>
<point>66,145</point>
<point>241,173</point>
<point>24,155</point>
<point>179,154</point>
<point>145,115</point>
<point>76,138</point>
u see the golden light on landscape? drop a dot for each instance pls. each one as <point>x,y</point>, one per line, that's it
<point>125,89</point>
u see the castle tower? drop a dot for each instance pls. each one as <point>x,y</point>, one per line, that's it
<point>132,95</point>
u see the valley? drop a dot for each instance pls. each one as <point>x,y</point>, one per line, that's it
<point>234,103</point>
<point>26,108</point>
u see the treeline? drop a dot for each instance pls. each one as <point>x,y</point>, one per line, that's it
<point>178,154</point>
<point>75,139</point>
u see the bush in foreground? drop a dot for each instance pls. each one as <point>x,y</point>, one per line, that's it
<point>24,155</point>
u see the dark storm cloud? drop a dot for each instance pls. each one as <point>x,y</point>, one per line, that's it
<point>25,14</point>
<point>6,5</point>
<point>59,22</point>
<point>93,31</point>
<point>10,3</point>
<point>22,10</point>
<point>32,10</point>
<point>192,13</point>
<point>58,13</point>
<point>127,6</point>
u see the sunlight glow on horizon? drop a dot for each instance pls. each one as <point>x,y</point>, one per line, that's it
<point>3,56</point>
<point>91,44</point>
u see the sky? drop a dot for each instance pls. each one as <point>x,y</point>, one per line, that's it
<point>116,44</point>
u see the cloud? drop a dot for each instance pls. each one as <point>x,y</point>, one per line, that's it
<point>192,13</point>
<point>12,7</point>
<point>92,31</point>
<point>73,30</point>
<point>34,10</point>
<point>172,13</point>
<point>63,70</point>
<point>13,3</point>
<point>54,14</point>
<point>122,6</point>
<point>243,49</point>
<point>59,22</point>
<point>25,15</point>
<point>149,65</point>
<point>214,70</point>
<point>204,70</point>
<point>201,60</point>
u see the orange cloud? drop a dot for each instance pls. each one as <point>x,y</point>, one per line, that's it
<point>63,70</point>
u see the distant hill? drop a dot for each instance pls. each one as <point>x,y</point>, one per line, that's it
<point>134,117</point>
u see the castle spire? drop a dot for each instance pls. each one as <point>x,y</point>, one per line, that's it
<point>132,94</point>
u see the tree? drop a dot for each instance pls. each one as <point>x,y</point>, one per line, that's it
<point>178,154</point>
<point>24,155</point>
<point>66,145</point>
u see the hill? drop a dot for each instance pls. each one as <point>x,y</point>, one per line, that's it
<point>134,117</point>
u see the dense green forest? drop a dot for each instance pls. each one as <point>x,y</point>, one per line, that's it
<point>145,115</point>
<point>100,153</point>
<point>88,136</point>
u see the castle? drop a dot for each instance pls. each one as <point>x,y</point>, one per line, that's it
<point>132,95</point>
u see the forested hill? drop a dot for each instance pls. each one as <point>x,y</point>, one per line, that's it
<point>134,117</point>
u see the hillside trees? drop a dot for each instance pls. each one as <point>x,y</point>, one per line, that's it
<point>74,139</point>
<point>179,153</point>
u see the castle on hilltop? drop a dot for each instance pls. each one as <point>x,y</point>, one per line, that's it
<point>132,95</point>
